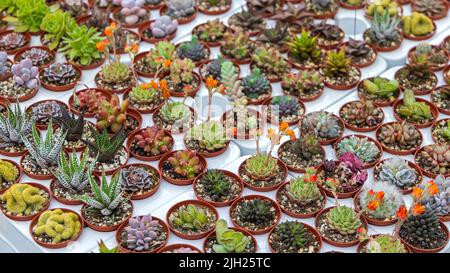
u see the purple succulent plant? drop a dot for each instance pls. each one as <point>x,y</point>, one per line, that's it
<point>25,74</point>
<point>132,10</point>
<point>140,232</point>
<point>3,62</point>
<point>352,161</point>
<point>163,27</point>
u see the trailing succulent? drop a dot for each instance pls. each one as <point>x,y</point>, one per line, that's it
<point>270,61</point>
<point>153,140</point>
<point>216,184</point>
<point>14,126</point>
<point>228,240</point>
<point>210,136</point>
<point>435,158</point>
<point>192,50</point>
<point>186,164</point>
<point>141,233</point>
<point>362,147</point>
<point>24,199</point>
<point>58,225</point>
<point>390,201</point>
<point>396,171</point>
<point>402,136</point>
<point>439,202</point>
<point>412,110</point>
<point>104,147</point>
<point>305,49</point>
<point>344,220</point>
<point>322,124</point>
<point>135,179</point>
<point>255,85</point>
<point>190,217</point>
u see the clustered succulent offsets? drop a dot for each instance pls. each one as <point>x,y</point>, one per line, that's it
<point>153,141</point>
<point>25,74</point>
<point>163,27</point>
<point>434,158</point>
<point>24,199</point>
<point>363,147</point>
<point>322,124</point>
<point>400,136</point>
<point>143,233</point>
<point>185,164</point>
<point>362,114</point>
<point>132,10</point>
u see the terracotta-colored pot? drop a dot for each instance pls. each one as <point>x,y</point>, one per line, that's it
<point>179,182</point>
<point>130,141</point>
<point>234,60</point>
<point>103,92</point>
<point>336,44</point>
<point>340,195</point>
<point>92,65</point>
<point>268,102</point>
<point>32,175</point>
<point>433,126</point>
<point>140,56</point>
<point>433,67</point>
<point>126,25</point>
<point>265,189</point>
<point>41,126</point>
<point>193,91</point>
<point>443,14</point>
<point>272,79</point>
<point>181,21</point>
<point>210,154</point>
<point>170,248</point>
<point>333,140</point>
<point>155,7</point>
<point>243,231</point>
<point>19,168</point>
<point>81,20</point>
<point>22,98</point>
<point>446,74</point>
<point>343,87</point>
<point>384,103</point>
<point>303,99</point>
<point>298,215</point>
<point>259,101</point>
<point>112,171</point>
<point>358,129</point>
<point>310,230</point>
<point>218,12</point>
<point>369,220</point>
<point>126,250</point>
<point>328,15</point>
<point>365,165</point>
<point>443,44</point>
<point>121,50</point>
<point>153,40</point>
<point>251,197</point>
<point>56,245</point>
<point>223,203</point>
<point>350,7</point>
<point>238,69</point>
<point>65,201</point>
<point>432,250</point>
<point>51,53</point>
<point>182,130</point>
<point>396,152</point>
<point>60,88</point>
<point>209,44</point>
<point>417,92</point>
<point>380,48</point>
<point>7,74</point>
<point>107,228</point>
<point>115,91</point>
<point>442,110</point>
<point>433,108</point>
<point>421,38</point>
<point>296,64</point>
<point>425,172</point>
<point>364,243</point>
<point>198,203</point>
<point>27,37</point>
<point>146,194</point>
<point>292,168</point>
<point>250,33</point>
<point>333,243</point>
<point>410,164</point>
<point>370,61</point>
<point>126,95</point>
<point>30,217</point>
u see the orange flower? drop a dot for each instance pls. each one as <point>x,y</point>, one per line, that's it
<point>163,85</point>
<point>106,42</point>
<point>433,189</point>
<point>417,192</point>
<point>110,29</point>
<point>380,195</point>
<point>373,205</point>
<point>222,89</point>
<point>187,88</point>
<point>211,83</point>
<point>291,134</point>
<point>284,126</point>
<point>401,213</point>
<point>144,85</point>
<point>166,93</point>
<point>371,192</point>
<point>100,47</point>
<point>418,209</point>
<point>159,60</point>
<point>167,63</point>
<point>361,230</point>
<point>233,131</point>
<point>313,178</point>
<point>270,133</point>
<point>135,48</point>
<point>154,85</point>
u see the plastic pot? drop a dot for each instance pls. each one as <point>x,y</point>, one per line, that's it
<point>433,108</point>
<point>105,228</point>
<point>130,141</point>
<point>299,215</point>
<point>179,182</point>
<point>365,165</point>
<point>281,165</point>
<point>396,152</point>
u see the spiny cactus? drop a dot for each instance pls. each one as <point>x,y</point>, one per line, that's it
<point>388,205</point>
<point>303,188</point>
<point>60,226</point>
<point>24,199</point>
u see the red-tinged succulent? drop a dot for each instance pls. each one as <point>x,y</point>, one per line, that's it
<point>89,99</point>
<point>112,114</point>
<point>154,140</point>
<point>186,164</point>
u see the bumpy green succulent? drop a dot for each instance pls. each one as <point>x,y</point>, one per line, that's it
<point>189,217</point>
<point>362,147</point>
<point>255,84</point>
<point>261,166</point>
<point>144,94</point>
<point>385,244</point>
<point>303,188</point>
<point>381,6</point>
<point>182,71</point>
<point>162,51</point>
<point>380,87</point>
<point>186,163</point>
<point>211,136</point>
<point>230,79</point>
<point>412,110</point>
<point>344,220</point>
<point>8,171</point>
<point>417,24</point>
<point>216,184</point>
<point>422,230</point>
<point>255,211</point>
<point>115,72</point>
<point>237,45</point>
<point>60,226</point>
<point>228,240</point>
<point>291,234</point>
<point>23,199</point>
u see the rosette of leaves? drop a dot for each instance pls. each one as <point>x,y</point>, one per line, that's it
<point>400,136</point>
<point>228,240</point>
<point>57,25</point>
<point>211,31</point>
<point>436,55</point>
<point>412,110</point>
<point>277,36</point>
<point>359,51</point>
<point>304,84</point>
<point>60,74</point>
<point>396,171</point>
<point>15,125</point>
<point>430,7</point>
<point>237,45</point>
<point>344,220</point>
<point>362,147</point>
<point>193,50</point>
<point>80,45</point>
<point>362,114</point>
<point>29,14</point>
<point>321,6</point>
<point>210,136</point>
<point>383,31</point>
<point>322,124</point>
<point>389,204</point>
<point>440,201</point>
<point>305,49</point>
<point>435,158</point>
<point>295,17</point>
<point>417,75</point>
<point>379,88</point>
<point>270,61</point>
<point>246,20</point>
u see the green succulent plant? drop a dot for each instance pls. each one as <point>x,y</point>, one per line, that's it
<point>383,30</point>
<point>29,14</point>
<point>303,189</point>
<point>261,166</point>
<point>173,112</point>
<point>362,147</point>
<point>115,72</point>
<point>270,61</point>
<point>337,64</point>
<point>144,94</point>
<point>163,50</point>
<point>255,211</point>
<point>216,184</point>
<point>182,71</point>
<point>291,234</point>
<point>304,48</point>
<point>385,244</point>
<point>57,25</point>
<point>412,110</point>
<point>190,217</point>
<point>8,6</point>
<point>228,240</point>
<point>344,220</point>
<point>104,147</point>
<point>80,45</point>
<point>211,136</point>
<point>380,87</point>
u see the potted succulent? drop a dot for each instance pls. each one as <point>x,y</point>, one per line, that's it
<point>146,98</point>
<point>437,57</point>
<point>181,167</point>
<point>352,4</point>
<point>216,67</point>
<point>214,7</point>
<point>380,243</point>
<point>326,126</point>
<point>150,143</point>
<point>284,109</point>
<point>12,42</point>
<point>433,159</point>
<point>446,74</point>
<point>139,181</point>
<point>74,8</point>
<point>302,153</point>
<point>295,17</point>
<point>173,116</point>
<point>328,36</point>
<point>184,11</point>
<point>381,91</point>
<point>276,37</point>
<point>209,139</point>
<point>256,87</point>
<point>440,131</point>
<point>23,83</point>
<point>10,173</point>
<point>179,248</point>
<point>418,26</point>
<point>40,56</point>
<point>33,198</point>
<point>43,231</point>
<point>338,71</point>
<point>88,100</point>
<point>242,123</point>
<point>142,234</point>
<point>307,85</point>
<point>361,53</point>
<point>161,29</point>
<point>131,13</point>
<point>59,76</point>
<point>294,237</point>
<point>417,111</point>
<point>13,127</point>
<point>71,178</point>
<point>346,176</point>
<point>154,4</point>
<point>263,172</point>
<point>99,18</point>
<point>399,138</point>
<point>367,149</point>
<point>56,25</point>
<point>192,219</point>
<point>149,63</point>
<point>28,16</point>
<point>437,202</point>
<point>5,66</point>
<point>256,214</point>
<point>361,115</point>
<point>107,152</point>
<point>182,80</point>
<point>440,97</point>
<point>193,50</point>
<point>210,33</point>
<point>304,51</point>
<point>270,61</point>
<point>247,22</point>
<point>229,240</point>
<point>220,188</point>
<point>80,48</point>
<point>398,172</point>
<point>301,197</point>
<point>417,76</point>
<point>42,157</point>
<point>322,9</point>
<point>237,47</point>
<point>386,199</point>
<point>392,8</point>
<point>265,8</point>
<point>434,9</point>
<point>106,208</point>
<point>383,34</point>
<point>125,41</point>
<point>43,111</point>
